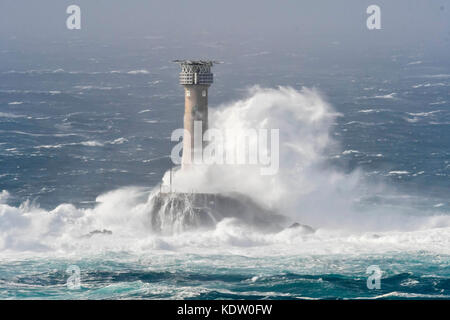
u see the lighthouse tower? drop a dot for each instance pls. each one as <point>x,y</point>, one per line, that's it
<point>186,208</point>
<point>196,77</point>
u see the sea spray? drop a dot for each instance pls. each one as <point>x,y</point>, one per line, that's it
<point>306,189</point>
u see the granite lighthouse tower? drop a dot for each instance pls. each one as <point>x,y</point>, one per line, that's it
<point>181,207</point>
<point>195,77</point>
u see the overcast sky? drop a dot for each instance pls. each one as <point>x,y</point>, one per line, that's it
<point>271,24</point>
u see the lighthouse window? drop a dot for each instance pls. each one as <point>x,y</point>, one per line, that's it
<point>204,93</point>
<point>188,93</point>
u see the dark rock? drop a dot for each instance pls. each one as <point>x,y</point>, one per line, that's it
<point>305,227</point>
<point>104,232</point>
<point>176,212</point>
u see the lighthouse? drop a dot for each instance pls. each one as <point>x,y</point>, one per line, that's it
<point>195,77</point>
<point>182,208</point>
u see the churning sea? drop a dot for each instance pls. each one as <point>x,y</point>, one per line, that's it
<point>85,137</point>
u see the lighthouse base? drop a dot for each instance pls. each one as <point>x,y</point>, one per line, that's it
<point>178,212</point>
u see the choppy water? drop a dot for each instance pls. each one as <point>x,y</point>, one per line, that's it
<point>71,131</point>
<point>185,276</point>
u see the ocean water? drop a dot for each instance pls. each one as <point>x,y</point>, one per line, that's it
<point>364,159</point>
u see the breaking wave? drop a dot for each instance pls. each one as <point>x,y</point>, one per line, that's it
<point>306,189</point>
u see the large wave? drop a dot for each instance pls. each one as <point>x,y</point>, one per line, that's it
<point>306,189</point>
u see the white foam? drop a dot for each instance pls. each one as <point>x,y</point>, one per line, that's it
<point>406,295</point>
<point>141,71</point>
<point>4,195</point>
<point>65,231</point>
<point>91,143</point>
<point>350,151</point>
<point>95,88</point>
<point>424,114</point>
<point>119,140</point>
<point>10,115</point>
<point>49,146</point>
<point>305,189</point>
<point>387,96</point>
<point>438,103</point>
<point>439,76</point>
<point>367,111</point>
<point>399,172</point>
